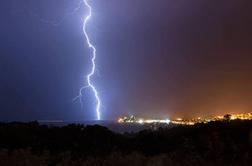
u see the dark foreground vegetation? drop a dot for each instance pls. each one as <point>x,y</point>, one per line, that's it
<point>217,143</point>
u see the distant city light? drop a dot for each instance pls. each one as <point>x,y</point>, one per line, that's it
<point>180,121</point>
<point>133,119</point>
<point>141,121</point>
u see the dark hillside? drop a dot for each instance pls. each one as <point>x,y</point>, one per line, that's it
<point>228,143</point>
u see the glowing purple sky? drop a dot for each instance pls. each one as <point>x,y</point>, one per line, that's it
<point>155,58</point>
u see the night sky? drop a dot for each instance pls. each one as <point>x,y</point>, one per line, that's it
<point>155,58</point>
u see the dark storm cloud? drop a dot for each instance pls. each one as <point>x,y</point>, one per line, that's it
<point>155,58</point>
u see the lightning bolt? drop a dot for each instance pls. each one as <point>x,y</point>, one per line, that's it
<point>60,21</point>
<point>90,45</point>
<point>92,72</point>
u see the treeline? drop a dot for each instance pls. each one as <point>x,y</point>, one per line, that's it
<point>228,143</point>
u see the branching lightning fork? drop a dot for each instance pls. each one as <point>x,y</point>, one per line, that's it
<point>92,72</point>
<point>60,21</point>
<point>90,45</point>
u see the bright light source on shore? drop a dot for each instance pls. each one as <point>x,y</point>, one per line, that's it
<point>141,121</point>
<point>167,121</point>
<point>120,120</point>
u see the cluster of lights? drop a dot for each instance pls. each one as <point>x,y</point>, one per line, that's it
<point>183,122</point>
<point>180,121</point>
<point>246,116</point>
<point>132,119</point>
